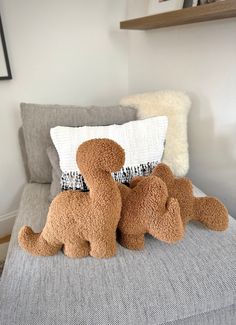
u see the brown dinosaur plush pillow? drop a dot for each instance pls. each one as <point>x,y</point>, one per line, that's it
<point>83,223</point>
<point>207,210</point>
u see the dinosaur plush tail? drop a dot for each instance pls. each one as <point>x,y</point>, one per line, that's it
<point>211,212</point>
<point>35,244</point>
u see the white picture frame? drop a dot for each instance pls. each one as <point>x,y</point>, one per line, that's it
<point>158,7</point>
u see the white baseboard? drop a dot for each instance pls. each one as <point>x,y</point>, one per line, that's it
<point>6,223</point>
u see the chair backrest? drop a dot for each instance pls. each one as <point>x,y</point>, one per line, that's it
<point>34,136</point>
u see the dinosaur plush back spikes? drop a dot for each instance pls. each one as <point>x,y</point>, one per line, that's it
<point>83,223</point>
<point>207,210</point>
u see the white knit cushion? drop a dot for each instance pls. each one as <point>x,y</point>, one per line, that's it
<point>175,105</point>
<point>142,140</point>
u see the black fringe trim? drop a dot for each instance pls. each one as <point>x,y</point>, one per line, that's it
<point>75,181</point>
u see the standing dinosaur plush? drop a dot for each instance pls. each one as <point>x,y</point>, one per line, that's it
<point>207,210</point>
<point>83,223</point>
<point>147,209</point>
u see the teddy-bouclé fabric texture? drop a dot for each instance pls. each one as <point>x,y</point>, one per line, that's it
<point>207,210</point>
<point>175,105</point>
<point>83,223</point>
<point>146,208</point>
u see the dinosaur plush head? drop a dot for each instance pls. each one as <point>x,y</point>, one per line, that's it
<point>100,154</point>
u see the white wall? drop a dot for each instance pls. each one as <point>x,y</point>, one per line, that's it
<point>201,59</point>
<point>61,51</point>
<point>72,52</point>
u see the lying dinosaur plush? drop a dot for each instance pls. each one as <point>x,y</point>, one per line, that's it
<point>147,209</point>
<point>83,223</point>
<point>207,210</point>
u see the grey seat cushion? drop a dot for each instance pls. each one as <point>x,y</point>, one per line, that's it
<point>192,282</point>
<point>38,119</point>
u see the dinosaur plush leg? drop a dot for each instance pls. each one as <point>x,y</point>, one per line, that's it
<point>103,247</point>
<point>135,242</point>
<point>169,227</point>
<point>79,249</point>
<point>211,212</point>
<point>35,244</point>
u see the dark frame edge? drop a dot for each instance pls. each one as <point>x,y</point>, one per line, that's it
<point>9,75</point>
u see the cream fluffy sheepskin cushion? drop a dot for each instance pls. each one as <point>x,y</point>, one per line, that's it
<point>175,105</point>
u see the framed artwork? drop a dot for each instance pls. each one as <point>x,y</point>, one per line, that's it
<point>5,70</point>
<point>161,6</point>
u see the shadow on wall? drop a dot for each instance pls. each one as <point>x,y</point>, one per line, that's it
<point>212,154</point>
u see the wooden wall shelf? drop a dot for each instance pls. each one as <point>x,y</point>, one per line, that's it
<point>212,11</point>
